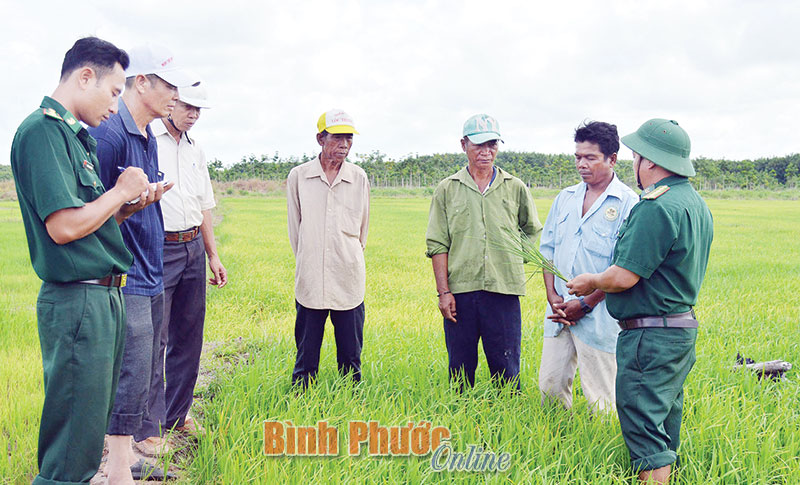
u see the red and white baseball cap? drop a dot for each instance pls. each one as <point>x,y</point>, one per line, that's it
<point>157,59</point>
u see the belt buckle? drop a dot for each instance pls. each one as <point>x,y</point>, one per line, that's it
<point>123,280</point>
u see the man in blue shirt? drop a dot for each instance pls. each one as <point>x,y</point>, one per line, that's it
<point>579,237</point>
<point>151,91</point>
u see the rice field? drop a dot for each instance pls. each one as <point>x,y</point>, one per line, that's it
<point>737,429</point>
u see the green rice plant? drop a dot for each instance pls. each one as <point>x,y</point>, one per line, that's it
<point>736,428</point>
<point>520,244</point>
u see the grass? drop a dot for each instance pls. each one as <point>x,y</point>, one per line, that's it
<point>737,429</point>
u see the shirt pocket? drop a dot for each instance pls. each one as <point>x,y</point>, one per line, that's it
<point>511,213</point>
<point>350,221</point>
<point>599,238</point>
<point>89,183</point>
<point>458,219</point>
<point>561,228</point>
<point>195,183</point>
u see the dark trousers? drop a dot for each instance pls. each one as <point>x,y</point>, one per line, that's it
<point>496,320</point>
<point>348,328</point>
<point>181,339</point>
<point>82,334</point>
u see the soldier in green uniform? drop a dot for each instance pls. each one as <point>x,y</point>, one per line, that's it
<point>659,263</point>
<point>76,248</point>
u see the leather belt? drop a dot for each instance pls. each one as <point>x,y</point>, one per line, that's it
<point>182,236</point>
<point>675,320</point>
<point>116,280</point>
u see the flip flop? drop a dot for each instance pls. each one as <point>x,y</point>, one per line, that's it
<point>142,470</point>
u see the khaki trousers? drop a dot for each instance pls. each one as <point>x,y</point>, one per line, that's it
<point>561,357</point>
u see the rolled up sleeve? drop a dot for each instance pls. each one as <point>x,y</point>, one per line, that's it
<point>547,243</point>
<point>437,237</point>
<point>528,217</point>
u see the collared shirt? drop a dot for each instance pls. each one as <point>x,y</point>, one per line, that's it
<point>666,240</point>
<point>120,144</point>
<point>584,243</point>
<point>328,225</point>
<point>184,164</point>
<point>54,161</point>
<point>472,227</point>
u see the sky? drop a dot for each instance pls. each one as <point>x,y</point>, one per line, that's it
<point>411,72</point>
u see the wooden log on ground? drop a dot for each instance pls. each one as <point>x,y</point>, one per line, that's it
<point>772,368</point>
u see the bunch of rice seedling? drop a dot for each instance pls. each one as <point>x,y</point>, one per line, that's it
<point>518,243</point>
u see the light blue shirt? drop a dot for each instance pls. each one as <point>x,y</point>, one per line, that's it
<point>584,244</point>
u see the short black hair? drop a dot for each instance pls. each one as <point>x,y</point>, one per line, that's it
<point>603,134</point>
<point>97,53</point>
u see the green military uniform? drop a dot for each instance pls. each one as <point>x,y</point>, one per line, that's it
<point>81,326</point>
<point>666,241</point>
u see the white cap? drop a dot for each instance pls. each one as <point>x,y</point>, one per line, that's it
<point>194,96</point>
<point>157,59</point>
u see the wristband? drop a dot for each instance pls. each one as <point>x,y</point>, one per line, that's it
<point>585,306</point>
<point>444,293</point>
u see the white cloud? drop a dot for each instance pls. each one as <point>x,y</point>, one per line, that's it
<point>411,72</point>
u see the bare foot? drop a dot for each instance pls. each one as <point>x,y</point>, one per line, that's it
<point>118,466</point>
<point>119,473</point>
<point>132,458</point>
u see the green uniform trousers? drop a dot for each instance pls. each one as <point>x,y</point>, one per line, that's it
<point>82,334</point>
<point>652,365</point>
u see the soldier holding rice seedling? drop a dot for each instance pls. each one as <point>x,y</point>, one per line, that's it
<point>328,211</point>
<point>478,283</point>
<point>579,236</point>
<point>77,249</point>
<point>659,262</point>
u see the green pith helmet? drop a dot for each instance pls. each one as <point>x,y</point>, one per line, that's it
<point>664,143</point>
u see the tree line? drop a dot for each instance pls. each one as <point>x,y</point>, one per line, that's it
<point>535,169</point>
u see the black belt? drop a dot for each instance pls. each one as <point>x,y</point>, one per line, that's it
<point>182,236</point>
<point>675,320</point>
<point>116,280</point>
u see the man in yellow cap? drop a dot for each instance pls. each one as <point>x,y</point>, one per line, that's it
<point>659,263</point>
<point>328,209</point>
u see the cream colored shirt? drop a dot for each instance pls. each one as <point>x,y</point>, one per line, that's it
<point>185,164</point>
<point>328,226</point>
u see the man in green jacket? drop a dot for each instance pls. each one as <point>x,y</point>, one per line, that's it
<point>659,263</point>
<point>479,284</point>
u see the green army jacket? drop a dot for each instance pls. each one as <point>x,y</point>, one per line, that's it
<point>54,161</point>
<point>665,240</point>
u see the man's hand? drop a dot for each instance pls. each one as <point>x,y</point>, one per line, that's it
<point>556,302</point>
<point>447,305</point>
<point>152,194</point>
<point>567,313</point>
<point>220,278</point>
<point>582,285</point>
<point>131,182</point>
<point>554,298</point>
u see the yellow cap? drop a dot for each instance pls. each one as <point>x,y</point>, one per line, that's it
<point>336,121</point>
